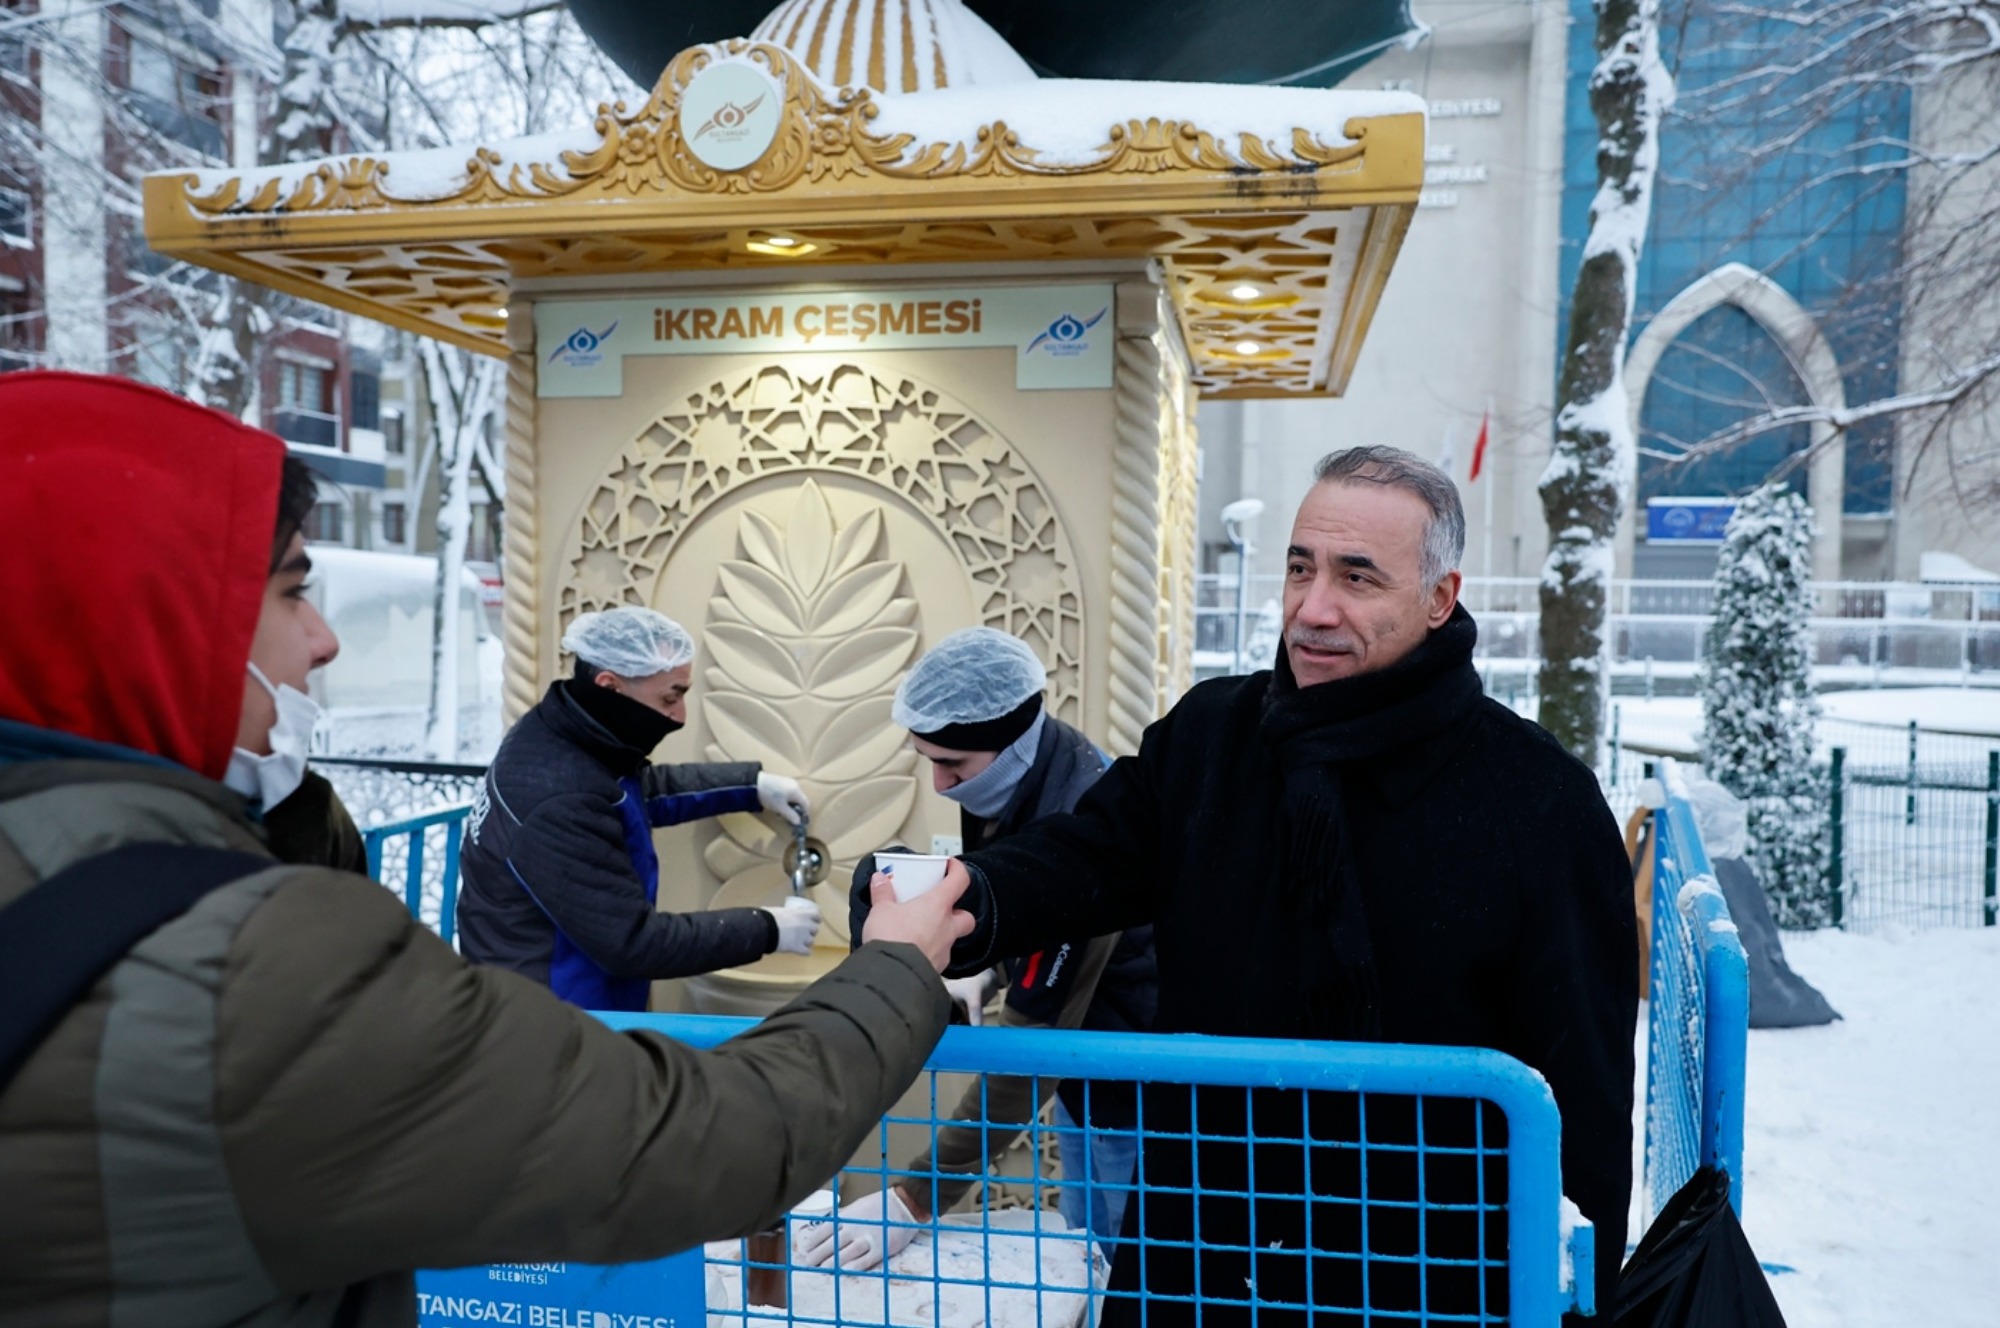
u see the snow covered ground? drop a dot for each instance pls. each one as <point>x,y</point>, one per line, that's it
<point>1872,1159</point>
<point>1871,717</point>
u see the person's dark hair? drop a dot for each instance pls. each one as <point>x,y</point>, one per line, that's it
<point>298,493</point>
<point>1444,533</point>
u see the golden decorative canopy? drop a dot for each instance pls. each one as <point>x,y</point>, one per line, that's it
<point>1274,213</point>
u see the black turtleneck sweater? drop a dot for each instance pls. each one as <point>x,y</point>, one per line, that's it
<point>1392,857</point>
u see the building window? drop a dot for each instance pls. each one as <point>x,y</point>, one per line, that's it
<point>367,388</point>
<point>305,398</point>
<point>150,71</point>
<point>174,98</point>
<point>17,222</point>
<point>15,33</point>
<point>16,346</point>
<point>305,386</point>
<point>395,523</point>
<point>392,431</point>
<point>327,524</point>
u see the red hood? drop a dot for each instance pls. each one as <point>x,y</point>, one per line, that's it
<point>135,543</point>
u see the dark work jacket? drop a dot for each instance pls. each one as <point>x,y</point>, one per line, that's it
<point>1041,985</point>
<point>1498,905</point>
<point>558,878</point>
<point>312,829</point>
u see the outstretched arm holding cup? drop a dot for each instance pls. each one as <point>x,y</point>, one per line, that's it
<point>930,921</point>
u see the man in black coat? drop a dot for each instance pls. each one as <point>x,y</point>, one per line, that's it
<point>559,879</point>
<point>1356,844</point>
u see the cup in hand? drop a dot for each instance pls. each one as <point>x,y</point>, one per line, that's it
<point>911,874</point>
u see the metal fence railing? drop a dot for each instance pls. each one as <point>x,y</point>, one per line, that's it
<point>417,857</point>
<point>1698,1023</point>
<point>1912,822</point>
<point>1433,1173</point>
<point>1914,837</point>
<point>1864,633</point>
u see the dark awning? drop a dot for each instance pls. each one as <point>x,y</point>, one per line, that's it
<point>1307,43</point>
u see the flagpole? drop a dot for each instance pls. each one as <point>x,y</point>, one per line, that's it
<point>1487,533</point>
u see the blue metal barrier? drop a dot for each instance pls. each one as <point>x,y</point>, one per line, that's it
<point>1698,1031</point>
<point>414,837</point>
<point>1444,1162</point>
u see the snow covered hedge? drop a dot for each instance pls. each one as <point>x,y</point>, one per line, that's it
<point>1757,701</point>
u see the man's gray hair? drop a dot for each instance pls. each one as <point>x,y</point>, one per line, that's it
<point>1444,533</point>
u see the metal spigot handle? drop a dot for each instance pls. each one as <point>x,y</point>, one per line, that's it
<point>799,857</point>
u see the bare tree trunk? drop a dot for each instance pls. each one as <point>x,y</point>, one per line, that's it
<point>1584,487</point>
<point>461,389</point>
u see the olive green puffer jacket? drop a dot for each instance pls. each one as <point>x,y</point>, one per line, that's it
<point>279,1104</point>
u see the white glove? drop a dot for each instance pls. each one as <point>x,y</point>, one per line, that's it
<point>972,993</point>
<point>872,1230</point>
<point>798,923</point>
<point>782,796</point>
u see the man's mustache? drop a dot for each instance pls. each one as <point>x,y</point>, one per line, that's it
<point>1315,639</point>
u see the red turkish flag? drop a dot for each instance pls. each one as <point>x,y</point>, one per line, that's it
<point>1479,447</point>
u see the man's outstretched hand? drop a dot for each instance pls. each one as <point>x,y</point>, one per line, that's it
<point>932,921</point>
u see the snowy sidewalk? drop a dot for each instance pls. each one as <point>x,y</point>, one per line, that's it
<point>1873,1145</point>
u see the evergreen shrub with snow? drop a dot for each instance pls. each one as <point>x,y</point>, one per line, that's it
<point>1757,702</point>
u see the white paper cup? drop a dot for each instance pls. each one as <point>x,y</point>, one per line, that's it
<point>911,874</point>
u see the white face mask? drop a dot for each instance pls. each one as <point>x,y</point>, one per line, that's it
<point>269,780</point>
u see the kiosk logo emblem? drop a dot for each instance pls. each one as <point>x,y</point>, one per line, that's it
<point>728,120</point>
<point>582,348</point>
<point>734,110</point>
<point>1068,336</point>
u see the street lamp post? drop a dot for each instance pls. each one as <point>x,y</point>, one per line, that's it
<point>1235,517</point>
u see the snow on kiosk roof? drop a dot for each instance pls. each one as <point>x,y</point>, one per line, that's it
<point>1274,213</point>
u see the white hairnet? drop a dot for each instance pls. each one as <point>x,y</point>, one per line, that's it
<point>631,642</point>
<point>1721,817</point>
<point>968,678</point>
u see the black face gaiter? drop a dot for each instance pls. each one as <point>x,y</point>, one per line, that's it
<point>638,726</point>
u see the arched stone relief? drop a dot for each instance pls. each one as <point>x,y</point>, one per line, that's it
<point>810,618</point>
<point>1798,335</point>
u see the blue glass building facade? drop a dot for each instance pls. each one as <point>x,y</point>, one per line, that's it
<point>1759,175</point>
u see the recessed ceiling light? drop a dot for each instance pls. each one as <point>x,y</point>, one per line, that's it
<point>780,246</point>
<point>1247,348</point>
<point>1245,293</point>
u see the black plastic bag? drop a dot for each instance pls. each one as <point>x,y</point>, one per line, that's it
<point>1695,1269</point>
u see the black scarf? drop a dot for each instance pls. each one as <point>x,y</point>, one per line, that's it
<point>635,727</point>
<point>1317,736</point>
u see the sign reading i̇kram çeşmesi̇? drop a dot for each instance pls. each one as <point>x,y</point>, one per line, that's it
<point>1061,335</point>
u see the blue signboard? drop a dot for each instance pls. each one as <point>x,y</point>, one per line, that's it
<point>1688,520</point>
<point>666,1293</point>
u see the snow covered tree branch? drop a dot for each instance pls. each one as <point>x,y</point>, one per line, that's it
<point>460,388</point>
<point>1583,487</point>
<point>1870,105</point>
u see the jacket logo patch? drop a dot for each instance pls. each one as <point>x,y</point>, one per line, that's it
<point>481,804</point>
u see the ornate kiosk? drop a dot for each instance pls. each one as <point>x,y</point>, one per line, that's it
<point>854,334</point>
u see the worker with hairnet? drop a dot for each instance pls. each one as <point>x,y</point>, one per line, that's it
<point>974,708</point>
<point>559,877</point>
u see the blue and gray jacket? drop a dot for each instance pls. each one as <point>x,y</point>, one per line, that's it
<point>559,878</point>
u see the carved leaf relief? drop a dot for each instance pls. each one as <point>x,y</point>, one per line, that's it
<point>810,617</point>
<point>864,662</point>
<point>754,659</point>
<point>856,598</point>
